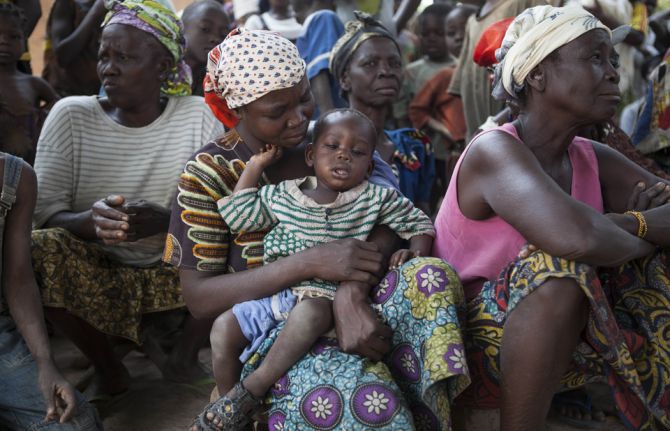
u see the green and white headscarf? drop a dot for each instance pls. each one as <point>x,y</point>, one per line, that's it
<point>161,22</point>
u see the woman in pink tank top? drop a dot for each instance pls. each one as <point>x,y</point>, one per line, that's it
<point>534,181</point>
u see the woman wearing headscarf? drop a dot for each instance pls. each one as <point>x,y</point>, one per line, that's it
<point>106,168</point>
<point>592,303</point>
<point>259,78</point>
<point>367,63</point>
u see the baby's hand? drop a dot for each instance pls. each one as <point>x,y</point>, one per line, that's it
<point>401,256</point>
<point>268,155</point>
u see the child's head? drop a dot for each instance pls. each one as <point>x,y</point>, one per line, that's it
<point>455,27</point>
<point>432,31</point>
<point>205,26</point>
<point>12,38</point>
<point>344,141</point>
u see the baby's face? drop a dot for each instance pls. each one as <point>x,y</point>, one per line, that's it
<point>342,154</point>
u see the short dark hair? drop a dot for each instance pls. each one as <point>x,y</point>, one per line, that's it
<point>191,8</point>
<point>321,122</point>
<point>438,10</point>
<point>13,11</point>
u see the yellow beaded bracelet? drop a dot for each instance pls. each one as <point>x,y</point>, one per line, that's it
<point>641,223</point>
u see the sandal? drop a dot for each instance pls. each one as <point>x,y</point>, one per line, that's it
<point>580,400</point>
<point>232,412</point>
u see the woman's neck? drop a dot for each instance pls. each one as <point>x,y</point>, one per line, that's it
<point>249,140</point>
<point>548,140</point>
<point>139,115</point>
<point>376,114</point>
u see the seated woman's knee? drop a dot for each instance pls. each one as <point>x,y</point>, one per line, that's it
<point>563,298</point>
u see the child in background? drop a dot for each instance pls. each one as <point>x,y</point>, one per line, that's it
<point>435,57</point>
<point>206,24</point>
<point>321,29</point>
<point>471,82</point>
<point>23,98</point>
<point>278,18</point>
<point>439,113</point>
<point>338,203</point>
<point>71,46</point>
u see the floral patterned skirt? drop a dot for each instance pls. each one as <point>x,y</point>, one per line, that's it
<point>423,303</point>
<point>626,342</point>
<point>110,296</point>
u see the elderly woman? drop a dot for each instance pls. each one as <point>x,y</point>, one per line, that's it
<point>593,301</point>
<point>367,63</point>
<point>106,169</point>
<point>342,382</point>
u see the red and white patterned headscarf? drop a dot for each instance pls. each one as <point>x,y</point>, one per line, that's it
<point>246,66</point>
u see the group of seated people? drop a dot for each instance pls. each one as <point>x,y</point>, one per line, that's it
<point>336,290</point>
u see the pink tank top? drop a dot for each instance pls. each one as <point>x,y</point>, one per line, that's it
<point>480,249</point>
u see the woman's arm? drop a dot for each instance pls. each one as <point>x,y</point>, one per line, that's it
<point>208,294</point>
<point>501,176</point>
<point>623,182</point>
<point>24,303</point>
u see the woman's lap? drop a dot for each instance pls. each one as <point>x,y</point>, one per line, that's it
<point>625,341</point>
<point>423,302</point>
<point>110,296</point>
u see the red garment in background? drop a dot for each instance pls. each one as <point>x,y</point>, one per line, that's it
<point>433,100</point>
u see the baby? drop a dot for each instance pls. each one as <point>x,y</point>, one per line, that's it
<point>337,203</point>
<point>21,95</point>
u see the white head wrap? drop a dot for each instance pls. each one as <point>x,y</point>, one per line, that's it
<point>532,36</point>
<point>249,64</point>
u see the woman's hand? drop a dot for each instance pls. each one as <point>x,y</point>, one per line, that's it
<point>58,394</point>
<point>145,219</point>
<point>345,260</point>
<point>109,220</point>
<point>645,198</point>
<point>358,329</point>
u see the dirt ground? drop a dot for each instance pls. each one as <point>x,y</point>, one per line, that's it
<point>153,404</point>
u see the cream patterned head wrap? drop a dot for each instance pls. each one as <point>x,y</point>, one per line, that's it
<point>249,64</point>
<point>532,36</point>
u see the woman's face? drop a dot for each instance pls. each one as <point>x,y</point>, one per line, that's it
<point>374,73</point>
<point>583,79</point>
<point>131,65</point>
<point>281,117</point>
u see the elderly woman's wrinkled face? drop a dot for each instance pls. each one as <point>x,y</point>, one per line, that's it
<point>374,73</point>
<point>131,65</point>
<point>281,117</point>
<point>582,77</point>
